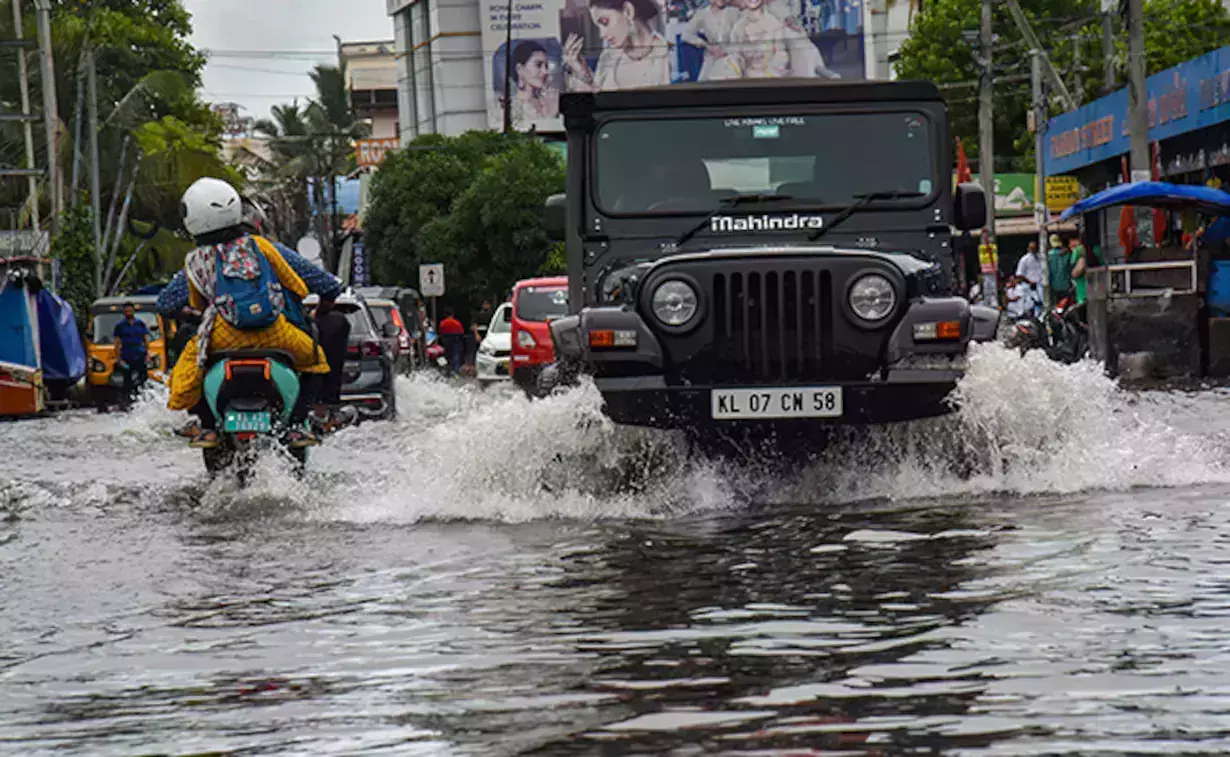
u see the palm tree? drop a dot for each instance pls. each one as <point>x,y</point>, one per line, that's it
<point>311,144</point>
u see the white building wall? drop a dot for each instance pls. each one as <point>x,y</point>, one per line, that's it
<point>440,75</point>
<point>886,25</point>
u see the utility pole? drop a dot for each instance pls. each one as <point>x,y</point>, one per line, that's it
<point>1031,39</point>
<point>78,114</point>
<point>1108,45</point>
<point>986,126</point>
<point>508,69</point>
<point>1077,68</point>
<point>51,114</point>
<point>1040,124</point>
<point>91,74</point>
<point>1138,106</point>
<point>23,75</point>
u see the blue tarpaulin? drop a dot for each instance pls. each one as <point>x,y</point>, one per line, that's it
<point>63,353</point>
<point>16,330</point>
<point>1155,194</point>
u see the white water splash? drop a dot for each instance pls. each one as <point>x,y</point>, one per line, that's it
<point>457,451</point>
<point>1030,426</point>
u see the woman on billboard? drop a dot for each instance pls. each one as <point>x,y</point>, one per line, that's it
<point>634,54</point>
<point>536,99</point>
<point>806,60</point>
<point>711,29</point>
<point>761,39</point>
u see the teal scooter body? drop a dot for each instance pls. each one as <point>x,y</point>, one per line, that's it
<point>248,413</point>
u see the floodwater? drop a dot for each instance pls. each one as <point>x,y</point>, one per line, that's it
<point>489,576</point>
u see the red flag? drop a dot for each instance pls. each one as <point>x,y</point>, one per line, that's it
<point>1127,219</point>
<point>1159,215</point>
<point>963,172</point>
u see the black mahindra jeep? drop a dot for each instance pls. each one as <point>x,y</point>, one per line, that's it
<point>769,253</point>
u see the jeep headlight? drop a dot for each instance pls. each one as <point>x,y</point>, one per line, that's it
<point>872,297</point>
<point>675,303</point>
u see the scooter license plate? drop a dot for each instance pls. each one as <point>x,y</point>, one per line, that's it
<point>236,421</point>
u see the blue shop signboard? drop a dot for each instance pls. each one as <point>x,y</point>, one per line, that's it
<point>1190,96</point>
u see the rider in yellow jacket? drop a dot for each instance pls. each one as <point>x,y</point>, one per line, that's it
<point>212,213</point>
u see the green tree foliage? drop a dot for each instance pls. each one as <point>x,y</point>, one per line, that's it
<point>74,247</point>
<point>473,203</point>
<point>148,73</point>
<point>1175,31</point>
<point>174,156</point>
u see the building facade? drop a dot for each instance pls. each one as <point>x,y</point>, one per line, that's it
<point>1189,132</point>
<point>371,81</point>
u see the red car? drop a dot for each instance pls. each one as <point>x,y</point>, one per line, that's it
<point>535,303</point>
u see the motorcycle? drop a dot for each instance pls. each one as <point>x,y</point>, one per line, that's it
<point>435,353</point>
<point>1060,333</point>
<point>252,393</point>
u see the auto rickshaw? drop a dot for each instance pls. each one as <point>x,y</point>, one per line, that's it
<point>105,383</point>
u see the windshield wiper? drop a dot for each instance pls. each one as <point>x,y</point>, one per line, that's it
<point>726,203</point>
<point>863,200</point>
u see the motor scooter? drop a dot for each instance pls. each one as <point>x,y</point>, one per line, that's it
<point>252,393</point>
<point>435,353</point>
<point>1060,333</point>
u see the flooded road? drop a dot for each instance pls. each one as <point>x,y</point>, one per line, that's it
<point>491,577</point>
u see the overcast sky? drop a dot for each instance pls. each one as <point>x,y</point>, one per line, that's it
<point>280,41</point>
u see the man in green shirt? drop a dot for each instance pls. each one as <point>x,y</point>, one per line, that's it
<point>1059,269</point>
<point>1078,264</point>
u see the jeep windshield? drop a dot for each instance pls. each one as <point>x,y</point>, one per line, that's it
<point>693,165</point>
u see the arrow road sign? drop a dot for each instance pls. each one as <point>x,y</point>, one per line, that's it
<point>431,280</point>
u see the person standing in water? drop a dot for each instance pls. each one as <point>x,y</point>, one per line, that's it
<point>132,339</point>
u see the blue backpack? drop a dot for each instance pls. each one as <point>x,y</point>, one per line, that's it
<point>249,304</point>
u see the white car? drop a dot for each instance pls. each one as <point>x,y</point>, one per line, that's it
<point>495,352</point>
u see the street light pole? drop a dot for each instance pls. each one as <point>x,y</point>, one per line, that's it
<point>508,22</point>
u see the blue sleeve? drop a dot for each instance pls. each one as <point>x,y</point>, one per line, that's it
<point>318,281</point>
<point>115,332</point>
<point>174,297</point>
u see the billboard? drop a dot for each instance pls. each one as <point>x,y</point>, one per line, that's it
<point>596,45</point>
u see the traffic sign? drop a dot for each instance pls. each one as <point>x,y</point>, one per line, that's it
<point>431,280</point>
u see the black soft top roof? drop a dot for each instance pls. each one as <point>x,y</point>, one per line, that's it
<point>746,92</point>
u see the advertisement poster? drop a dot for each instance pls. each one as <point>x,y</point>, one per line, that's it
<point>597,45</point>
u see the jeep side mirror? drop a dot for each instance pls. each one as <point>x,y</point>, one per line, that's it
<point>506,315</point>
<point>971,207</point>
<point>555,217</point>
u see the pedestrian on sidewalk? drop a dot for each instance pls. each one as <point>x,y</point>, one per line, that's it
<point>1059,266</point>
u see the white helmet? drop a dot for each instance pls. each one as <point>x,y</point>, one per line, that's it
<point>210,205</point>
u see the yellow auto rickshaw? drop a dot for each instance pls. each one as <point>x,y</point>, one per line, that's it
<point>105,383</point>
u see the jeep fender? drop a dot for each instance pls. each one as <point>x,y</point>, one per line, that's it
<point>570,337</point>
<point>938,310</point>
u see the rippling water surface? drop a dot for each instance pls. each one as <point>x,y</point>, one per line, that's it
<point>1046,572</point>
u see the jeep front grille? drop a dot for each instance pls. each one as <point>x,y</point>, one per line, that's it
<point>775,324</point>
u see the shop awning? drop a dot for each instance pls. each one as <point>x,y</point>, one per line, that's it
<point>1155,194</point>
